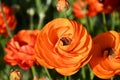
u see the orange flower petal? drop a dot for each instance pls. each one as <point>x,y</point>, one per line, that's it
<point>105,62</point>
<point>20,49</point>
<point>58,46</point>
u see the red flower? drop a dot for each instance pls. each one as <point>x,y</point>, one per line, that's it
<point>87,8</point>
<point>94,7</point>
<point>20,49</point>
<point>11,20</point>
<point>79,8</point>
<point>110,5</point>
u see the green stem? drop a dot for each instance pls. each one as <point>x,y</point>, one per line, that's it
<point>104,21</point>
<point>69,78</point>
<point>87,25</point>
<point>5,20</point>
<point>91,75</point>
<point>40,12</point>
<point>112,78</point>
<point>38,5</point>
<point>41,18</point>
<point>90,24</point>
<point>113,21</point>
<point>34,71</point>
<point>65,77</point>
<point>119,18</point>
<point>47,72</point>
<point>65,13</point>
<point>31,22</point>
<point>83,73</point>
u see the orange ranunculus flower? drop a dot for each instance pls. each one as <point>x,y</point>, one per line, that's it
<point>94,7</point>
<point>105,62</point>
<point>20,49</point>
<point>10,17</point>
<point>61,4</point>
<point>64,45</point>
<point>89,8</point>
<point>79,8</point>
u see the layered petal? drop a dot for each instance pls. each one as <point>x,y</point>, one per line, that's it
<point>105,62</point>
<point>64,45</point>
<point>20,49</point>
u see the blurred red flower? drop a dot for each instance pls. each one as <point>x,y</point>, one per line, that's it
<point>94,7</point>
<point>20,49</point>
<point>110,5</point>
<point>89,8</point>
<point>79,8</point>
<point>10,17</point>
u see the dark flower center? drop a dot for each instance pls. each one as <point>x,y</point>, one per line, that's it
<point>108,51</point>
<point>101,1</point>
<point>65,40</point>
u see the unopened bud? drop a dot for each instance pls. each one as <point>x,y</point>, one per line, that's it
<point>61,4</point>
<point>31,11</point>
<point>41,15</point>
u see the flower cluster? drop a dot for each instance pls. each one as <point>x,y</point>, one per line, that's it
<point>89,8</point>
<point>64,45</point>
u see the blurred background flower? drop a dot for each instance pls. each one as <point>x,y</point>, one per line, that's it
<point>9,17</point>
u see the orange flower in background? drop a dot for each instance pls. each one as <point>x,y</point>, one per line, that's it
<point>20,49</point>
<point>79,8</point>
<point>86,8</point>
<point>10,17</point>
<point>105,62</point>
<point>61,4</point>
<point>94,7</point>
<point>63,45</point>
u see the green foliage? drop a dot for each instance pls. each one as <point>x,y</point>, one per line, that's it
<point>94,25</point>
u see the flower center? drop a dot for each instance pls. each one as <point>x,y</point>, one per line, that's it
<point>101,1</point>
<point>108,51</point>
<point>65,40</point>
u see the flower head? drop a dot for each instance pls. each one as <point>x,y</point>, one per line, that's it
<point>79,9</point>
<point>10,17</point>
<point>110,5</point>
<point>105,62</point>
<point>63,45</point>
<point>94,7</point>
<point>61,4</point>
<point>20,49</point>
